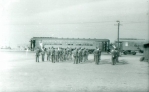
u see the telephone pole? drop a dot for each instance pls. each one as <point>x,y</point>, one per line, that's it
<point>118,33</point>
<point>118,47</point>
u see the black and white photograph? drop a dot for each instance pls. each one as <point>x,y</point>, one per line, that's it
<point>74,45</point>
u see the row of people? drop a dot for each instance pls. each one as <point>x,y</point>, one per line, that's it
<point>58,54</point>
<point>80,55</point>
<point>62,54</point>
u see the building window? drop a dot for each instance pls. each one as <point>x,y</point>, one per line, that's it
<point>78,44</point>
<point>70,44</point>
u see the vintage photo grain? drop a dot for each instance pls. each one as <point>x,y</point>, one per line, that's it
<point>74,45</point>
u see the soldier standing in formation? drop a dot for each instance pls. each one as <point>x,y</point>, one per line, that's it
<point>70,54</point>
<point>94,54</point>
<point>67,52</point>
<point>37,54</point>
<point>80,55</point>
<point>75,55</point>
<point>60,54</point>
<point>56,54</point>
<point>84,55</point>
<point>43,54</point>
<point>97,53</point>
<point>87,53</point>
<point>52,55</point>
<point>64,54</point>
<point>48,54</point>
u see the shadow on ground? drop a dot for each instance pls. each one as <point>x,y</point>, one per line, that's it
<point>122,62</point>
<point>108,61</point>
<point>104,61</point>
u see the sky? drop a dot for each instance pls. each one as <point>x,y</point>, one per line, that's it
<point>20,20</point>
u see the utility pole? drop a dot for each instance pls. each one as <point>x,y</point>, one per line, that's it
<point>118,34</point>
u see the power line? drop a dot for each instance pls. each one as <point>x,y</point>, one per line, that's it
<point>98,22</point>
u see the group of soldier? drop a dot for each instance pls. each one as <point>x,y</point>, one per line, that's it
<point>62,54</point>
<point>78,54</point>
<point>54,54</point>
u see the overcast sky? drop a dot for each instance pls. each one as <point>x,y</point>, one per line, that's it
<point>21,20</point>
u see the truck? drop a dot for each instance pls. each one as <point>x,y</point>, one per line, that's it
<point>130,45</point>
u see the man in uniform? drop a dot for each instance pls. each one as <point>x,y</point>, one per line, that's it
<point>70,54</point>
<point>37,54</point>
<point>97,56</point>
<point>80,55</point>
<point>67,53</point>
<point>60,54</point>
<point>94,54</point>
<point>58,59</point>
<point>64,54</point>
<point>84,54</point>
<point>56,54</point>
<point>43,54</point>
<point>114,57</point>
<point>87,53</point>
<point>52,55</point>
<point>75,55</point>
<point>48,54</point>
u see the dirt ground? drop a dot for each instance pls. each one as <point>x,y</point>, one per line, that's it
<point>20,73</point>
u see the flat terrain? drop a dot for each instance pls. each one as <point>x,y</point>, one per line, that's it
<point>20,73</point>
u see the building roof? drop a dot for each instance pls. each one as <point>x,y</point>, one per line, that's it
<point>130,39</point>
<point>47,38</point>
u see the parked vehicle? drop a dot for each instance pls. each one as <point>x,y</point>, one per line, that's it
<point>130,46</point>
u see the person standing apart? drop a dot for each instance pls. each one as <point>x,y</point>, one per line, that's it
<point>117,55</point>
<point>114,56</point>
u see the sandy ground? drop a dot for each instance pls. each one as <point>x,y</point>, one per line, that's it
<point>20,73</point>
